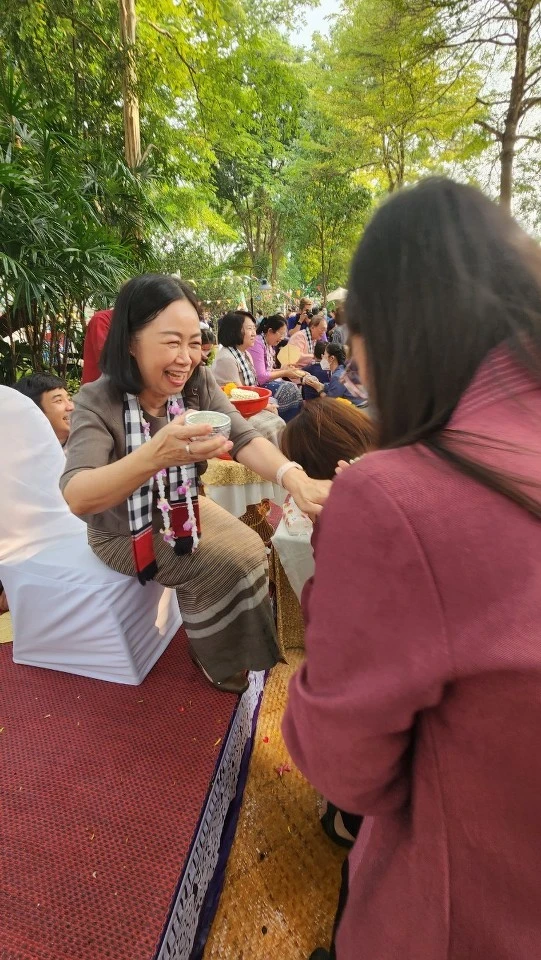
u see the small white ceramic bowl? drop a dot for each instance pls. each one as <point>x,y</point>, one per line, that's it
<point>220,422</point>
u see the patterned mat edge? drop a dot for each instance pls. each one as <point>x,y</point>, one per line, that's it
<point>180,931</point>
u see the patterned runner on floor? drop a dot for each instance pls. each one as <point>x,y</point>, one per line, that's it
<point>283,874</point>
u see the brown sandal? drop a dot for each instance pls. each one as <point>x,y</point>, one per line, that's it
<point>238,683</point>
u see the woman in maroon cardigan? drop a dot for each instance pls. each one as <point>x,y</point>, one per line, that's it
<point>419,705</point>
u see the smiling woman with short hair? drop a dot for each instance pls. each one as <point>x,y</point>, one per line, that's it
<point>132,473</point>
<point>234,364</point>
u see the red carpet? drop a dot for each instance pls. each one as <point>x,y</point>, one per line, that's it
<point>101,787</point>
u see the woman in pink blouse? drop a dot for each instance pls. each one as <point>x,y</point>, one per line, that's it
<point>270,332</point>
<point>419,704</point>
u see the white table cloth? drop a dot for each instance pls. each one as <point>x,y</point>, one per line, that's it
<point>236,497</point>
<point>296,556</point>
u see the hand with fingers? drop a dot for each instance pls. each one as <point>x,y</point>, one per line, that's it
<point>344,464</point>
<point>291,372</point>
<point>314,383</point>
<point>308,494</point>
<point>177,444</point>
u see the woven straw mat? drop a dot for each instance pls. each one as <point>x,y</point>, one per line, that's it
<point>283,874</point>
<point>6,629</point>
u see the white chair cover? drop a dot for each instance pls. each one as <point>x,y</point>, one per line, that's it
<point>69,611</point>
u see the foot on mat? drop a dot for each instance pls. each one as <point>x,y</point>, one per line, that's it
<point>238,683</point>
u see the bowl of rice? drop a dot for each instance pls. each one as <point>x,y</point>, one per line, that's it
<point>249,400</point>
<point>220,422</point>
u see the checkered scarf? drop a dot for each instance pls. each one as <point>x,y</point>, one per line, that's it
<point>140,503</point>
<point>269,355</point>
<point>309,340</point>
<point>247,371</point>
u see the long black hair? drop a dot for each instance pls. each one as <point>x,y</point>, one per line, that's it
<point>441,277</point>
<point>139,302</point>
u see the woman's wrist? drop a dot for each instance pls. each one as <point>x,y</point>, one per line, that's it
<point>292,478</point>
<point>145,457</point>
<point>285,470</point>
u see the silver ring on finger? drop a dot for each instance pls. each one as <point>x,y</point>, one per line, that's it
<point>187,449</point>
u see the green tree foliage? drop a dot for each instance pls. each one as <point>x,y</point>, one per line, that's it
<point>62,226</point>
<point>256,161</point>
<point>504,38</point>
<point>326,207</point>
<point>251,176</point>
<point>402,112</point>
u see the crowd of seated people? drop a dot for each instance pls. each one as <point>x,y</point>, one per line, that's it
<point>250,360</point>
<point>333,362</point>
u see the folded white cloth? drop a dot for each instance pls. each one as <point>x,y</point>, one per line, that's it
<point>296,521</point>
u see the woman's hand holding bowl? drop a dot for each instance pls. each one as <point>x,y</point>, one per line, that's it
<point>178,444</point>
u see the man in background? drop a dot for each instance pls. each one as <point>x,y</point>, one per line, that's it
<point>339,332</point>
<point>300,320</point>
<point>50,395</point>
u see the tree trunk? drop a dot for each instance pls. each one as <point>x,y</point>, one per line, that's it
<point>275,245</point>
<point>507,159</point>
<point>132,134</point>
<point>322,260</point>
<point>516,99</point>
<point>275,257</point>
<point>401,161</point>
<point>12,371</point>
<point>74,53</point>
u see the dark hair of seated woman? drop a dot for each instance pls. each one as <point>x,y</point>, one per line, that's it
<point>230,327</point>
<point>324,432</point>
<point>274,323</point>
<point>337,351</point>
<point>207,336</point>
